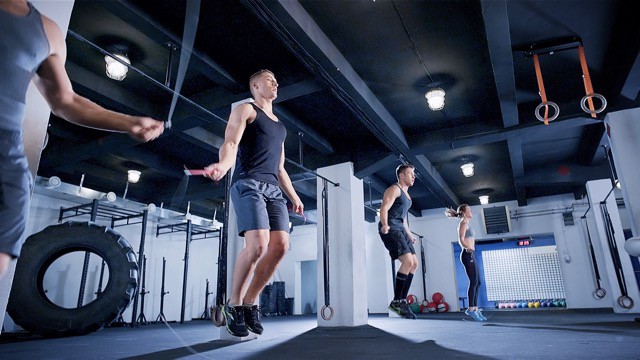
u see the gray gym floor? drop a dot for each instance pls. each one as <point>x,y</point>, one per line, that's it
<point>509,334</point>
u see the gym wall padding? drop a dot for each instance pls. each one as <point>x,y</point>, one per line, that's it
<point>30,307</point>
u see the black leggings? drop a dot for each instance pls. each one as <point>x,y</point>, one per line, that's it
<point>471,268</point>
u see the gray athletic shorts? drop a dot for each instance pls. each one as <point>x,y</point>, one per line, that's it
<point>397,243</point>
<point>15,191</point>
<point>259,205</point>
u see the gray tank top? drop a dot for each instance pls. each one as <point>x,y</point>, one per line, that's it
<point>23,47</point>
<point>469,232</point>
<point>398,211</point>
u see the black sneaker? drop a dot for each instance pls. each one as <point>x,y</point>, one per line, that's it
<point>252,319</point>
<point>408,312</point>
<point>396,307</point>
<point>234,319</point>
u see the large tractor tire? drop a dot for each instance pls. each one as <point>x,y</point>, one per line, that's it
<point>30,307</point>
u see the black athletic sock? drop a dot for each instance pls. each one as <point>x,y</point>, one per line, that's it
<point>401,279</point>
<point>407,285</point>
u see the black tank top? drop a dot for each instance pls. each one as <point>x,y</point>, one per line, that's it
<point>398,211</point>
<point>260,149</point>
<point>23,47</point>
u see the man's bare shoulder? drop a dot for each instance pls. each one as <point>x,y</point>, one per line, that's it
<point>243,113</point>
<point>393,190</point>
<point>54,35</point>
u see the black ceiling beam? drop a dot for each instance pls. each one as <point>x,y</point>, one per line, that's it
<point>496,23</point>
<point>130,14</point>
<point>550,176</point>
<point>364,169</point>
<point>298,89</point>
<point>308,187</point>
<point>461,136</point>
<point>218,100</point>
<point>116,141</point>
<point>631,86</point>
<point>112,143</point>
<point>290,22</point>
<point>100,85</point>
<point>376,184</point>
<point>202,138</point>
<point>621,54</point>
<point>517,167</point>
<point>311,137</point>
<point>112,90</point>
<point>589,143</point>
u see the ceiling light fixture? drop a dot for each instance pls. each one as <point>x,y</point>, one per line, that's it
<point>467,169</point>
<point>484,199</point>
<point>435,98</point>
<point>115,69</point>
<point>133,176</point>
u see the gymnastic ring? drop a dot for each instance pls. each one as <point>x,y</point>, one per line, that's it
<point>621,301</point>
<point>584,107</point>
<point>600,293</point>
<point>548,103</point>
<point>324,316</point>
<point>216,316</point>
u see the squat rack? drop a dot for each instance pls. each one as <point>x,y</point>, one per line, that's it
<point>119,217</point>
<point>193,232</point>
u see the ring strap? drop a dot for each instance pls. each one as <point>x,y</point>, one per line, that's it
<point>588,88</point>
<point>543,94</point>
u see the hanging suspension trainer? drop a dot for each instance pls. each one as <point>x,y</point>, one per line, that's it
<point>599,293</point>
<point>100,281</point>
<point>141,318</point>
<point>551,47</point>
<point>588,88</point>
<point>206,314</point>
<point>185,273</point>
<point>424,269</point>
<point>161,317</point>
<point>301,148</point>
<point>543,96</point>
<point>325,253</point>
<point>623,300</point>
<point>221,288</point>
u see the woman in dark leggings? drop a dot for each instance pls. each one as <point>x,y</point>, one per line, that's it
<point>466,239</point>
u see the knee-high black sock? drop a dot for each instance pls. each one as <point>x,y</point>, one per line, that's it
<point>401,279</point>
<point>407,285</point>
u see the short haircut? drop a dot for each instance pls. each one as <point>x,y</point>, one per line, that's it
<point>256,75</point>
<point>402,168</point>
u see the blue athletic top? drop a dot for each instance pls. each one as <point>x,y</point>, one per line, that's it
<point>23,47</point>
<point>260,149</point>
<point>469,232</point>
<point>398,211</point>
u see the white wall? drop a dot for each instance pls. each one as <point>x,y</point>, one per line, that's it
<point>439,233</point>
<point>202,264</point>
<point>302,248</point>
<point>380,288</point>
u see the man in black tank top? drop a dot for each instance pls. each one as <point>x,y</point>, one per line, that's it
<point>397,238</point>
<point>255,137</point>
<point>32,48</point>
